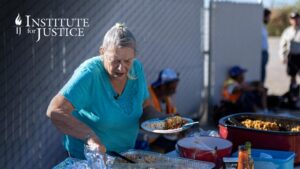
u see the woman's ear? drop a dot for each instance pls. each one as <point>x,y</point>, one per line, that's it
<point>101,50</point>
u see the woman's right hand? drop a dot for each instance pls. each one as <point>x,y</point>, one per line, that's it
<point>94,141</point>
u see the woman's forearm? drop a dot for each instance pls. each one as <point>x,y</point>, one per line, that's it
<point>59,111</point>
<point>68,124</point>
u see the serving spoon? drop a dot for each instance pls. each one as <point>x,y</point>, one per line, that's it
<point>234,121</point>
<point>190,124</point>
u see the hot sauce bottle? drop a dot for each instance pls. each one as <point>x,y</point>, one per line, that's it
<point>243,158</point>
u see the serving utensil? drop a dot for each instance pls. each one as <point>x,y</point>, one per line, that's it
<point>234,121</point>
<point>190,124</point>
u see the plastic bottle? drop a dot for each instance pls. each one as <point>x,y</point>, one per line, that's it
<point>243,162</point>
<point>250,159</point>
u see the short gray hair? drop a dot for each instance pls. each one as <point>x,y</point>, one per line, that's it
<point>119,36</point>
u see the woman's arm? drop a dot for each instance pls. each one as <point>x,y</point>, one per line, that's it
<point>59,111</point>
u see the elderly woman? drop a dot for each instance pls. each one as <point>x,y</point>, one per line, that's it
<point>104,99</point>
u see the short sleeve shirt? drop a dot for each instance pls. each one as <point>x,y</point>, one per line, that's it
<point>114,120</point>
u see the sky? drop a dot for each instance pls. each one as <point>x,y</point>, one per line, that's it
<point>272,3</point>
<point>267,3</point>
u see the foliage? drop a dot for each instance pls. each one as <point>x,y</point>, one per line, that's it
<point>279,19</point>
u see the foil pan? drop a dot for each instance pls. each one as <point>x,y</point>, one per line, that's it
<point>147,160</point>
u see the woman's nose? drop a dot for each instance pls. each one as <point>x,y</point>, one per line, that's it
<point>120,67</point>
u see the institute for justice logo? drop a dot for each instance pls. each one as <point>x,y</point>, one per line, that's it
<point>18,22</point>
<point>51,27</point>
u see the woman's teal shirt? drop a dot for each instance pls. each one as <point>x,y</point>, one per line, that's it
<point>114,120</point>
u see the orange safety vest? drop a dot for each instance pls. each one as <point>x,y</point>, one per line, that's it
<point>170,108</point>
<point>229,95</point>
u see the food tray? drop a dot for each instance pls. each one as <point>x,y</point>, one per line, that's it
<point>146,159</point>
<point>284,123</point>
<point>263,139</point>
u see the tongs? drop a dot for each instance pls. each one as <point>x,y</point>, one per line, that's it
<point>116,154</point>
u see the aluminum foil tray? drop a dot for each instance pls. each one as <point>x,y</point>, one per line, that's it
<point>147,160</point>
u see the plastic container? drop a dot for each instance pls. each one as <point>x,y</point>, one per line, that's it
<point>202,148</point>
<point>272,159</point>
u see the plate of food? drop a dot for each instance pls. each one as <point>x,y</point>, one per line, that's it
<point>168,125</point>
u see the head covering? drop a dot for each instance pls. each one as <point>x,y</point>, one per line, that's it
<point>165,76</point>
<point>294,15</point>
<point>236,70</point>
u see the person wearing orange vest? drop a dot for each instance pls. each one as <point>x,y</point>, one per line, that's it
<point>162,90</point>
<point>160,93</point>
<point>248,96</point>
<point>230,92</point>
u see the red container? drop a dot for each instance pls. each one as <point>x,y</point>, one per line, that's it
<point>203,148</point>
<point>263,139</point>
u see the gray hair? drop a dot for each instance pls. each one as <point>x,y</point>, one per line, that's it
<point>120,36</point>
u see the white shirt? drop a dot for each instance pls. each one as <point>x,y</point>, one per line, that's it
<point>289,42</point>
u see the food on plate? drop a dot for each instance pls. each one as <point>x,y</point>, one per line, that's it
<point>169,123</point>
<point>159,125</point>
<point>174,122</point>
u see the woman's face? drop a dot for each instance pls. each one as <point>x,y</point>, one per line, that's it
<point>118,61</point>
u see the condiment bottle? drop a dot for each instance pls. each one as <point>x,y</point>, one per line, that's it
<point>250,159</point>
<point>243,159</point>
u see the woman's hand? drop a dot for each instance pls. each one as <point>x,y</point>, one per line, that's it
<point>94,141</point>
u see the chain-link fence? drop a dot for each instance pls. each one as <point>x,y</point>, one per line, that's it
<point>168,34</point>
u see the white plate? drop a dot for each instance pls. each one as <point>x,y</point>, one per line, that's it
<point>157,126</point>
